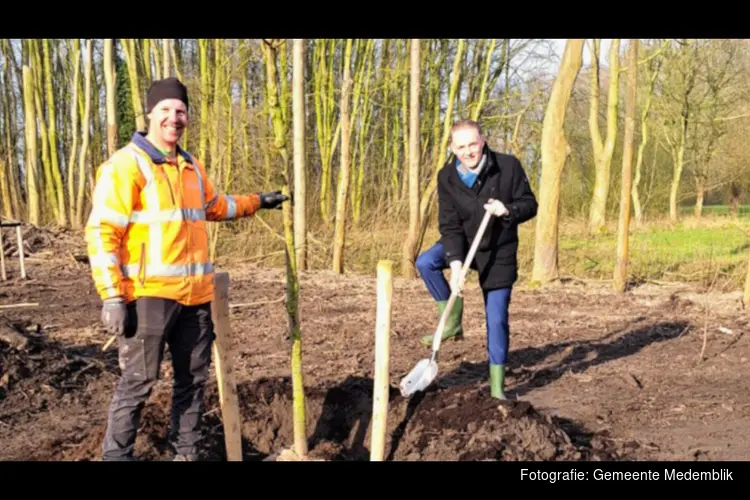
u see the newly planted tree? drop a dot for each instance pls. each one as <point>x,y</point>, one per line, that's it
<point>280,127</point>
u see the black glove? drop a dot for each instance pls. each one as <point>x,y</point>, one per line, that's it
<point>114,315</point>
<point>272,200</point>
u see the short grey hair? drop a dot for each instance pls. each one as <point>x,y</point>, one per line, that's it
<point>466,124</point>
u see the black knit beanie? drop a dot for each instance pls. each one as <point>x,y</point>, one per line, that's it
<point>168,88</point>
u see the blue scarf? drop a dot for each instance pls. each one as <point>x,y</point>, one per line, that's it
<point>467,176</point>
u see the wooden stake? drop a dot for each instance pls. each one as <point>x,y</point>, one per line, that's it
<point>22,304</point>
<point>382,350</point>
<point>2,257</point>
<point>224,365</point>
<point>19,237</point>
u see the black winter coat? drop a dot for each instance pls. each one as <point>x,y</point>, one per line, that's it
<point>461,210</point>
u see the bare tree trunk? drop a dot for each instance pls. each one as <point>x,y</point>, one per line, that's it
<point>5,169</point>
<point>298,113</point>
<point>11,134</point>
<point>325,119</point>
<point>85,124</point>
<point>404,77</point>
<point>5,189</point>
<point>410,245</point>
<point>98,139</point>
<point>109,81</point>
<point>48,204</point>
<point>32,189</point>
<point>621,266</point>
<point>157,59</point>
<point>205,96</point>
<point>429,192</point>
<point>244,52</point>
<point>700,192</point>
<point>555,150</point>
<point>678,158</point>
<point>682,120</point>
<point>343,180</point>
<point>74,132</point>
<point>129,47</point>
<point>435,90</point>
<point>59,190</point>
<point>166,52</point>
<point>228,69</point>
<point>145,57</point>
<point>637,210</point>
<point>176,59</point>
<point>363,139</point>
<point>482,98</point>
<point>603,151</point>
<point>216,161</point>
<point>734,199</point>
<point>7,166</point>
<point>292,298</point>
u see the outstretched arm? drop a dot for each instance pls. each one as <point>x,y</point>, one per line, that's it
<point>224,207</point>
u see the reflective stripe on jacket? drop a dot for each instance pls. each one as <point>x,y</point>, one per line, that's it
<point>146,233</point>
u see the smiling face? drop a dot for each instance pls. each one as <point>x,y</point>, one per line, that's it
<point>167,122</point>
<point>467,144</point>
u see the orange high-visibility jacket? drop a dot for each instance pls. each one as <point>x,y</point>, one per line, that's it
<point>146,234</point>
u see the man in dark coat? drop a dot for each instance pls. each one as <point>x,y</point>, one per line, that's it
<point>477,180</point>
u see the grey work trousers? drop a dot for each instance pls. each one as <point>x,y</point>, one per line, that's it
<point>189,332</point>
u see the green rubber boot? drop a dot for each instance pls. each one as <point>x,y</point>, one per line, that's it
<point>453,325</point>
<point>497,381</point>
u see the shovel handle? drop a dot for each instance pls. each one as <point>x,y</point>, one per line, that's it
<point>437,338</point>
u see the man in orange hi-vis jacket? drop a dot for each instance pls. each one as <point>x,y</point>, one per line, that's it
<point>149,255</point>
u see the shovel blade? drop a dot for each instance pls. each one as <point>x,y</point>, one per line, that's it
<point>419,378</point>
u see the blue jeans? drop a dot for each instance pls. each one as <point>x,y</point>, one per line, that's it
<point>431,264</point>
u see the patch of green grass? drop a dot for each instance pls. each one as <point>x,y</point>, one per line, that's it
<point>716,210</point>
<point>708,251</point>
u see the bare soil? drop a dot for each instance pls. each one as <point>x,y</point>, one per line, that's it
<point>653,374</point>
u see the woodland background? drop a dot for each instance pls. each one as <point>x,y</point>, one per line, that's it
<point>371,132</point>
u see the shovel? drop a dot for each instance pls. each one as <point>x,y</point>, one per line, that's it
<point>422,375</point>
